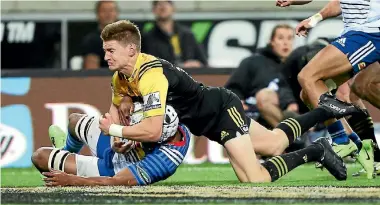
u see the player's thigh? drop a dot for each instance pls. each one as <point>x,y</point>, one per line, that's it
<point>330,62</point>
<point>238,170</point>
<point>242,153</point>
<point>232,132</point>
<point>361,49</point>
<point>267,142</point>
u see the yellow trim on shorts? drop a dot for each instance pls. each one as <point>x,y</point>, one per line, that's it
<point>239,116</point>
<point>233,117</point>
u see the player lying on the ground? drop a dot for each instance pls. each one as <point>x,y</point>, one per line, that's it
<point>350,54</point>
<point>213,112</point>
<point>111,163</point>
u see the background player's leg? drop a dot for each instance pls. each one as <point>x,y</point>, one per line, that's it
<point>362,124</point>
<point>269,106</point>
<point>367,84</point>
<point>340,137</point>
<point>60,160</point>
<point>329,63</point>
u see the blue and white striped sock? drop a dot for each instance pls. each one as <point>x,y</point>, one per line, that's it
<point>73,144</point>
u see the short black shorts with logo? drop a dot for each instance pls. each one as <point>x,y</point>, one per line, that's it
<point>232,121</point>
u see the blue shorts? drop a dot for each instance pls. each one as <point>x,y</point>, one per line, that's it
<point>361,49</point>
<point>158,164</point>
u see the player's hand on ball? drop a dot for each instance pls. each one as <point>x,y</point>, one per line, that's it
<point>58,178</point>
<point>122,147</point>
<point>105,123</point>
<point>283,3</point>
<point>303,28</point>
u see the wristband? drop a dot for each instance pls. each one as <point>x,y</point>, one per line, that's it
<point>315,19</point>
<point>116,130</point>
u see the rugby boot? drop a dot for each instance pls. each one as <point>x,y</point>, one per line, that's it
<point>331,161</point>
<point>342,150</point>
<point>337,107</point>
<point>366,158</point>
<point>363,172</point>
<point>57,136</point>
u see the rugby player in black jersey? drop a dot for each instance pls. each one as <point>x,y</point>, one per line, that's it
<point>213,112</point>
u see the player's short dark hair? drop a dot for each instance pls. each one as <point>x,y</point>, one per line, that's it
<point>273,34</point>
<point>99,3</point>
<point>154,3</point>
<point>123,31</point>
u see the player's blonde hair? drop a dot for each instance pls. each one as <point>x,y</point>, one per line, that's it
<point>123,31</point>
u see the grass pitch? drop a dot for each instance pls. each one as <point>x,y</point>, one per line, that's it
<point>195,184</point>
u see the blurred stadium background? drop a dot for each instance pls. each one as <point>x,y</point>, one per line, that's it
<point>43,78</point>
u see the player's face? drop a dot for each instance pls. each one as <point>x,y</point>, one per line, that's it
<point>163,10</point>
<point>107,13</point>
<point>282,42</point>
<point>117,54</point>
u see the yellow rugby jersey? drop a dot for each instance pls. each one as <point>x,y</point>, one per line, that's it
<point>145,82</point>
<point>157,82</point>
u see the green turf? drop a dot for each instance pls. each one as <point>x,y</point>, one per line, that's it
<point>210,174</point>
<point>202,184</point>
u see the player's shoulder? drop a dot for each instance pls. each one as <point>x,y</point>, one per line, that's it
<point>150,65</point>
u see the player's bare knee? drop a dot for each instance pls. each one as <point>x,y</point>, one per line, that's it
<point>266,96</point>
<point>302,78</point>
<point>276,148</point>
<point>304,97</point>
<point>40,158</point>
<point>306,78</point>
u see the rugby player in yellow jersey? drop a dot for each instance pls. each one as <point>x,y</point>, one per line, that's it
<point>209,111</point>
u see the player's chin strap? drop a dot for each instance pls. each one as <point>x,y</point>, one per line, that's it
<point>57,159</point>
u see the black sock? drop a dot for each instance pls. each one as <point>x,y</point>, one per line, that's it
<point>362,124</point>
<point>280,165</point>
<point>295,127</point>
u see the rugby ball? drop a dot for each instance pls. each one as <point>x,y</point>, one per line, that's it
<point>171,122</point>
